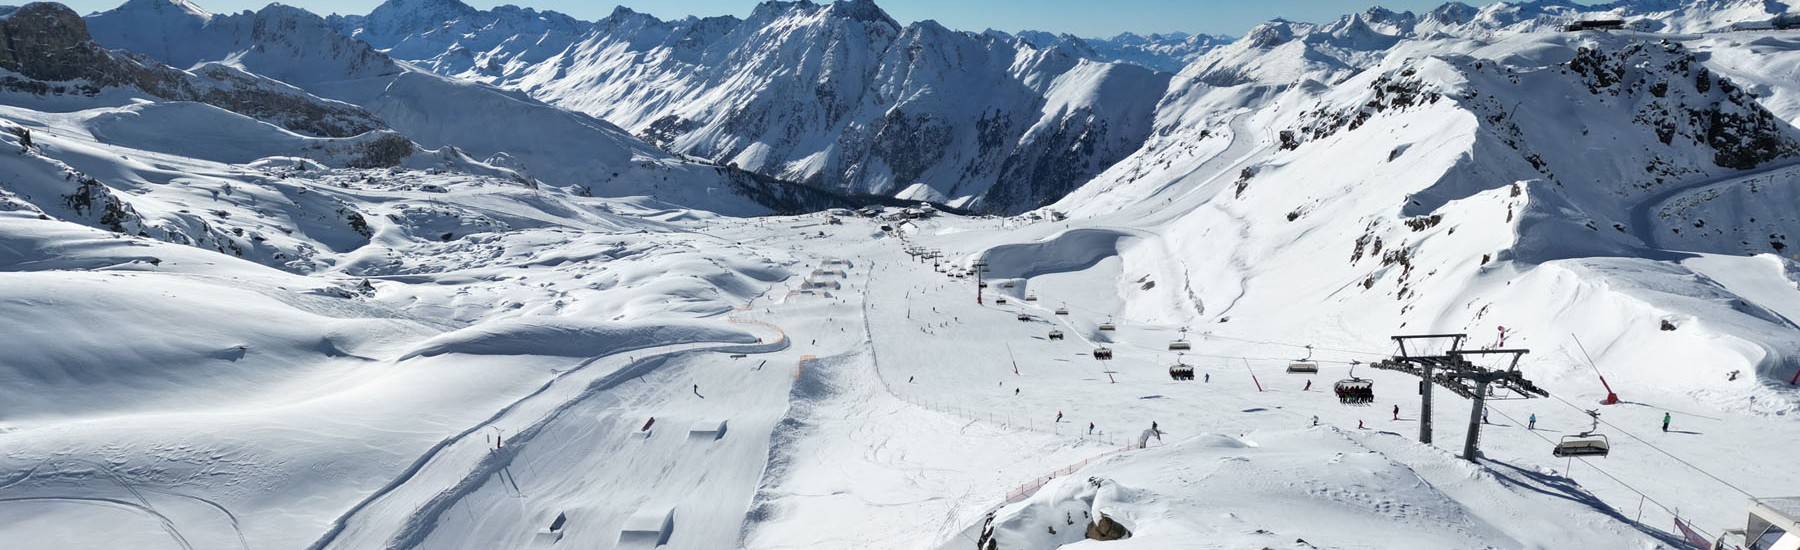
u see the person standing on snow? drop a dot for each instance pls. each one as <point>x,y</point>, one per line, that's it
<point>1666,419</point>
<point>1533,424</point>
<point>1090,428</point>
<point>1396,412</point>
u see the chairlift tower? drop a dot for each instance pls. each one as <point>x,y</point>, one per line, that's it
<point>1454,372</point>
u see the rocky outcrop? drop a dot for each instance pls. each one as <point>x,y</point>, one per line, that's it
<point>1106,529</point>
<point>50,49</point>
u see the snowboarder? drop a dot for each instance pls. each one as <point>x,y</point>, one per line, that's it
<point>1533,422</point>
<point>1396,412</point>
<point>1308,386</point>
<point>1666,419</point>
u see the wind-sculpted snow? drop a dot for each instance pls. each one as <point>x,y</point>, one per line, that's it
<point>1076,250</point>
<point>559,338</point>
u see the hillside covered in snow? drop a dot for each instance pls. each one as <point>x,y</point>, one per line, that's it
<point>445,277</point>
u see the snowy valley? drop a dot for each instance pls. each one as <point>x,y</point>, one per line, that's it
<point>444,277</point>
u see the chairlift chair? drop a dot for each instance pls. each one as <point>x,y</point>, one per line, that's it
<point>1587,444</point>
<point>1304,366</point>
<point>1181,344</point>
<point>1062,311</point>
<point>1355,391</point>
<point>1000,300</point>
<point>1103,354</point>
<point>1056,335</point>
<point>1181,371</point>
<point>1024,316</point>
<point>1031,297</point>
<point>1108,325</point>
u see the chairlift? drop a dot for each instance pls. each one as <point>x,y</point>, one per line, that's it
<point>1353,390</point>
<point>1182,344</point>
<point>1108,325</point>
<point>981,285</point>
<point>1304,366</point>
<point>1024,316</point>
<point>1181,371</point>
<point>1103,354</point>
<point>1032,297</point>
<point>1000,300</point>
<point>1583,445</point>
<point>1056,335</point>
<point>1062,311</point>
<point>1588,443</point>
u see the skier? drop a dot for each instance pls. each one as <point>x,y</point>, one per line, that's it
<point>1484,418</point>
<point>1315,420</point>
<point>1359,425</point>
<point>1533,424</point>
<point>697,391</point>
<point>1153,425</point>
<point>1666,419</point>
<point>1308,386</point>
<point>1059,417</point>
<point>1090,428</point>
<point>1015,391</point>
<point>1209,378</point>
<point>909,379</point>
<point>1396,412</point>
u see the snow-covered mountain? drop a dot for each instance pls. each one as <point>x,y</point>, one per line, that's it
<point>1168,53</point>
<point>836,95</point>
<point>271,286</point>
<point>538,141</point>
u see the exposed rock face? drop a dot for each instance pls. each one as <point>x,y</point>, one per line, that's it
<point>1105,529</point>
<point>49,45</point>
<point>836,95</point>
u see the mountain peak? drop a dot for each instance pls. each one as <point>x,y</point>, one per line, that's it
<point>176,6</point>
<point>861,10</point>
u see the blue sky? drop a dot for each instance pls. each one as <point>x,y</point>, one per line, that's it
<point>1081,17</point>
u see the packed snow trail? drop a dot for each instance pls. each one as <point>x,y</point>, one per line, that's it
<point>395,515</point>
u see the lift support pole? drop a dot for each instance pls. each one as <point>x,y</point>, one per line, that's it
<point>1425,405</point>
<point>1471,444</point>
